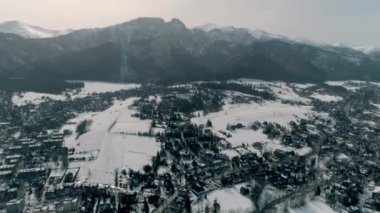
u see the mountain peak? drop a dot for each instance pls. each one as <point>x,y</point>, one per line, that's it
<point>210,26</point>
<point>177,22</point>
<point>29,31</point>
<point>12,22</point>
<point>148,20</point>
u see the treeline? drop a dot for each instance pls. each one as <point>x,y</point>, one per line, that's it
<point>243,88</point>
<point>43,86</point>
<point>198,101</point>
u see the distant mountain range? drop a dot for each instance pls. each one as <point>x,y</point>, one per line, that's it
<point>29,31</point>
<point>152,50</point>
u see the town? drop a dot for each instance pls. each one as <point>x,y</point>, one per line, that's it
<point>276,145</point>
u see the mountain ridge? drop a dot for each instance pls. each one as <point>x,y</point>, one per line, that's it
<point>30,31</point>
<point>153,50</point>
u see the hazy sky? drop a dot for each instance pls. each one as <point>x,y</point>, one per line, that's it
<point>332,21</point>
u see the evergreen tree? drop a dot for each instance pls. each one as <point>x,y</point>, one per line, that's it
<point>146,206</point>
<point>187,204</point>
<point>209,123</point>
<point>216,207</point>
<point>147,169</point>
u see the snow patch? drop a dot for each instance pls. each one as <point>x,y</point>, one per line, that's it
<point>30,31</point>
<point>229,199</point>
<point>89,88</point>
<point>21,99</point>
<point>326,98</point>
<point>314,206</point>
<point>246,114</point>
<point>346,84</point>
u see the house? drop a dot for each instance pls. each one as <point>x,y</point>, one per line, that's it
<point>12,159</point>
<point>31,172</point>
<point>7,167</point>
<point>52,142</point>
<point>15,206</point>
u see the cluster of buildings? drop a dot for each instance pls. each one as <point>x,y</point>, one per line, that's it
<point>35,175</point>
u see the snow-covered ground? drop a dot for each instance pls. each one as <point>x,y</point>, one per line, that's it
<point>302,86</point>
<point>229,199</point>
<point>29,31</point>
<point>281,90</point>
<point>326,98</point>
<point>244,136</point>
<point>377,189</point>
<point>346,84</point>
<point>376,105</point>
<point>128,124</point>
<point>284,92</point>
<point>230,153</point>
<point>89,88</point>
<point>34,98</point>
<point>313,206</point>
<point>110,149</point>
<point>246,114</point>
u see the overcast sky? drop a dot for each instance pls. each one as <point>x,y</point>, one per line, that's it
<point>331,21</point>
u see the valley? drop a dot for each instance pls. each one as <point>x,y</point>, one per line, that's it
<point>270,146</point>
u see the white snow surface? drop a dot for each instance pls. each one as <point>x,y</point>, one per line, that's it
<point>34,98</point>
<point>29,31</point>
<point>281,90</point>
<point>377,189</point>
<point>115,151</point>
<point>346,84</point>
<point>284,92</point>
<point>302,86</point>
<point>244,136</point>
<point>313,206</point>
<point>376,105</point>
<point>230,200</point>
<point>326,98</point>
<point>230,153</point>
<point>89,88</point>
<point>246,114</point>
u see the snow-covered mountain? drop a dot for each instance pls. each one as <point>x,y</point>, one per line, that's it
<point>364,49</point>
<point>257,34</point>
<point>155,50</point>
<point>261,35</point>
<point>29,31</point>
<point>209,27</point>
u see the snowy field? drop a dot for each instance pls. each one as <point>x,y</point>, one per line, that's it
<point>246,114</point>
<point>314,206</point>
<point>246,136</point>
<point>34,98</point>
<point>89,88</point>
<point>230,201</point>
<point>270,111</point>
<point>125,123</point>
<point>349,85</point>
<point>115,151</point>
<point>326,98</point>
<point>281,90</point>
